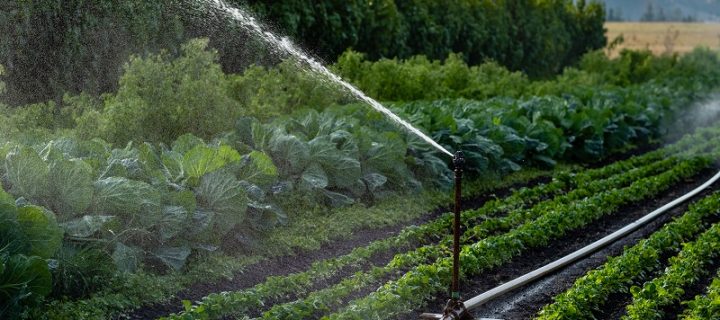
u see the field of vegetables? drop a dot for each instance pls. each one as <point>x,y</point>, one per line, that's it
<point>190,190</point>
<point>211,229</point>
<point>496,233</point>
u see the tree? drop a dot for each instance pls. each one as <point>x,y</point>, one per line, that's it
<point>614,14</point>
<point>649,14</point>
<point>661,15</point>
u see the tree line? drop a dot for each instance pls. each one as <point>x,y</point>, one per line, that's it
<point>51,47</point>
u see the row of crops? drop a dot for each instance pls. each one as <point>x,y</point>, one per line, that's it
<point>693,240</point>
<point>497,232</point>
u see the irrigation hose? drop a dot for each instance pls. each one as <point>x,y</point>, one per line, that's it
<point>491,294</point>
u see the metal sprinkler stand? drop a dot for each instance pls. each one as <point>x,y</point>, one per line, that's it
<point>455,308</point>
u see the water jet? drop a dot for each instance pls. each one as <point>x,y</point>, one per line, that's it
<point>455,309</point>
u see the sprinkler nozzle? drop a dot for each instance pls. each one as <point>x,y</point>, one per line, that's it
<point>459,160</point>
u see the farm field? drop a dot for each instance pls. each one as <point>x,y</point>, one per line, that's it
<point>664,37</point>
<point>506,228</point>
<point>207,166</point>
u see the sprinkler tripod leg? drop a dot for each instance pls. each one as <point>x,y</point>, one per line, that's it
<point>455,308</point>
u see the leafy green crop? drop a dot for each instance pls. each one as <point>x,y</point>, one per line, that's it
<point>705,306</point>
<point>29,236</point>
<point>587,294</point>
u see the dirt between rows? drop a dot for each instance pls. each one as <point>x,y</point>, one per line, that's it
<point>285,265</point>
<point>524,303</point>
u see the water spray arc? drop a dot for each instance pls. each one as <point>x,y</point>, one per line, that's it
<point>455,308</point>
<point>285,45</point>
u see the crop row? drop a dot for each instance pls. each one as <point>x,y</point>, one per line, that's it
<point>588,293</point>
<point>323,300</point>
<point>705,306</point>
<point>685,269</point>
<point>239,302</point>
<point>425,281</point>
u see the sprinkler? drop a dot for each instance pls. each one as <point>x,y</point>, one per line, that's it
<point>455,308</point>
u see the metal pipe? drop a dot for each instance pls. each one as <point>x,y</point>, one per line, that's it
<point>454,309</point>
<point>458,162</point>
<point>551,267</point>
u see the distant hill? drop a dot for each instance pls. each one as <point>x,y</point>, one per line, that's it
<point>668,10</point>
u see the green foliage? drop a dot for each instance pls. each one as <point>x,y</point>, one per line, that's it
<point>424,281</point>
<point>539,38</point>
<point>27,173</point>
<point>51,47</point>
<point>71,185</point>
<point>24,280</point>
<point>487,220</point>
<point>28,237</point>
<point>418,78</point>
<point>225,203</point>
<point>187,95</point>
<point>127,198</point>
<point>81,271</point>
<point>684,270</point>
<point>705,306</point>
<point>619,273</point>
<point>41,229</point>
<point>269,92</point>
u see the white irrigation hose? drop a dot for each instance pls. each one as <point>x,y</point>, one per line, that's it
<point>557,264</point>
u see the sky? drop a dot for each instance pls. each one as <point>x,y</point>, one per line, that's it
<point>703,10</point>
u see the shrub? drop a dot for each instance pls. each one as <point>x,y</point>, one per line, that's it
<point>160,99</point>
<point>267,93</point>
<point>419,78</point>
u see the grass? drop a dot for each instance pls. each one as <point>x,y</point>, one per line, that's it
<point>663,37</point>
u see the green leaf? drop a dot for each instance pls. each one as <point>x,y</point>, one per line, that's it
<point>173,165</point>
<point>27,173</point>
<point>202,160</point>
<point>258,168</point>
<point>265,216</point>
<point>186,142</point>
<point>224,197</point>
<point>314,177</point>
<point>43,232</point>
<point>374,181</point>
<point>174,221</point>
<point>337,200</point>
<point>173,257</point>
<point>290,153</point>
<point>184,198</point>
<point>126,258</point>
<point>127,198</point>
<point>23,280</point>
<point>72,186</point>
<point>342,166</point>
<point>7,205</point>
<point>12,239</point>
<point>85,226</point>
